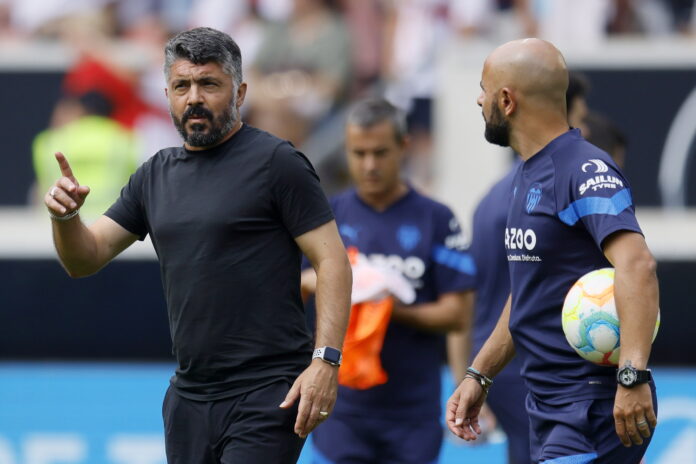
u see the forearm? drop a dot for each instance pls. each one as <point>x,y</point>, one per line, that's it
<point>333,287</point>
<point>498,349</point>
<point>450,312</point>
<point>76,247</point>
<point>636,298</point>
<point>458,353</point>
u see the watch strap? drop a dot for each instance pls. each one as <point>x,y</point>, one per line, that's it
<point>643,376</point>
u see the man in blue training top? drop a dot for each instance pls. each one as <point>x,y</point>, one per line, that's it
<point>507,399</point>
<point>558,229</point>
<point>390,222</point>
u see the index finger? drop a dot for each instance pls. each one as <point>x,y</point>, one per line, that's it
<point>64,165</point>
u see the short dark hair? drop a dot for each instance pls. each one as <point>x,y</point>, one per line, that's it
<point>369,112</point>
<point>203,45</point>
<point>604,133</point>
<point>578,86</point>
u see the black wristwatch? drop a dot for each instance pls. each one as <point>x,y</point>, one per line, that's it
<point>328,355</point>
<point>628,376</point>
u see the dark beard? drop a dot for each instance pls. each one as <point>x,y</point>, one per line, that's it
<point>497,129</point>
<point>219,126</point>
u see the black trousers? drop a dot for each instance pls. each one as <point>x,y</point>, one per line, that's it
<point>244,429</point>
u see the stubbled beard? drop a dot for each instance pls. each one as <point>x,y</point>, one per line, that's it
<point>218,127</point>
<point>497,129</point>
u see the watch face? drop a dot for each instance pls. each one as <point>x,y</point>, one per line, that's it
<point>627,376</point>
<point>332,355</point>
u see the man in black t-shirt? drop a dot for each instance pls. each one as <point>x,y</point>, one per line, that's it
<point>229,214</point>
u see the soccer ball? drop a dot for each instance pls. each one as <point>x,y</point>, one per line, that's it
<point>589,318</point>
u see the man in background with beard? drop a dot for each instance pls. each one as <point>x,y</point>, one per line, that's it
<point>229,214</point>
<point>557,230</point>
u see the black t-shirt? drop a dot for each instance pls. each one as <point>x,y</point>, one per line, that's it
<point>222,222</point>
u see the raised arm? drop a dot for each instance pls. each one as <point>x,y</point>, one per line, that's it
<point>317,385</point>
<point>82,250</point>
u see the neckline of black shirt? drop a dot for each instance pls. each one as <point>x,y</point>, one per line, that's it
<point>185,153</point>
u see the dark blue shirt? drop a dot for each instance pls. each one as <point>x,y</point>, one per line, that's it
<point>567,199</point>
<point>490,257</point>
<point>420,238</point>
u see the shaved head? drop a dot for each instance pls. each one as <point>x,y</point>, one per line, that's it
<point>523,95</point>
<point>532,68</point>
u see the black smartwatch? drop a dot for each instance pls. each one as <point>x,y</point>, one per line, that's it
<point>328,355</point>
<point>628,376</point>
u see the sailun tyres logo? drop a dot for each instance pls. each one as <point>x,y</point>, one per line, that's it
<point>600,182</point>
<point>596,164</point>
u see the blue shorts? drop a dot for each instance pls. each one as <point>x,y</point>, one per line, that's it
<point>343,439</point>
<point>580,433</point>
<point>507,401</point>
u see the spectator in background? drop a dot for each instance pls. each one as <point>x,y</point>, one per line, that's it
<point>414,31</point>
<point>152,122</point>
<point>596,128</point>
<point>570,25</point>
<point>605,134</point>
<point>241,19</point>
<point>51,18</point>
<point>365,19</point>
<point>302,70</point>
<point>103,152</point>
<point>576,102</point>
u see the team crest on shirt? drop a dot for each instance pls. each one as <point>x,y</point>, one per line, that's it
<point>408,236</point>
<point>533,197</point>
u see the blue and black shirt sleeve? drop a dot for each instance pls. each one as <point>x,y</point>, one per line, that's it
<point>596,195</point>
<point>454,268</point>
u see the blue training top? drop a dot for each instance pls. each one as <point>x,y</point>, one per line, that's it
<point>490,257</point>
<point>567,199</point>
<point>422,239</point>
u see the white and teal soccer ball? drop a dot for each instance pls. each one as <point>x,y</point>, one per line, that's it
<point>589,318</point>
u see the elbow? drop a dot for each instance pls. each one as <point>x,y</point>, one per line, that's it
<point>637,263</point>
<point>646,264</point>
<point>344,269</point>
<point>75,272</point>
<point>349,271</point>
<point>458,325</point>
<point>77,275</point>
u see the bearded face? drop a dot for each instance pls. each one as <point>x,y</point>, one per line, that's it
<point>205,128</point>
<point>497,128</point>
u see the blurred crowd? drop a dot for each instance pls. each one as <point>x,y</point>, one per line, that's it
<point>304,59</point>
